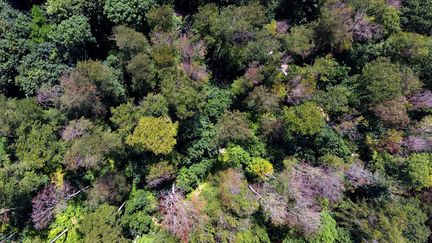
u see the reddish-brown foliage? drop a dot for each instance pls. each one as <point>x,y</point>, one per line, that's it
<point>80,95</point>
<point>393,112</point>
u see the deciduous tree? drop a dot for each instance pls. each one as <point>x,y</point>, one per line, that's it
<point>46,202</point>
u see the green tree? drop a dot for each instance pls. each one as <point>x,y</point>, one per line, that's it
<point>4,156</point>
<point>183,94</point>
<point>255,233</point>
<point>219,100</point>
<point>14,33</point>
<point>16,112</point>
<point>72,33</point>
<point>229,29</point>
<point>335,100</point>
<point>69,219</point>
<point>104,77</point>
<point>233,127</point>
<point>154,105</point>
<point>419,170</point>
<point>395,220</point>
<point>331,160</point>
<point>328,231</point>
<point>384,13</point>
<point>91,150</point>
<point>37,152</point>
<point>41,66</point>
<point>130,42</point>
<point>329,71</point>
<point>137,219</point>
<point>416,16</point>
<point>260,168</point>
<point>153,134</point>
<point>334,28</point>
<point>102,226</point>
<point>407,47</point>
<point>143,72</point>
<point>38,146</point>
<point>39,26</point>
<point>63,9</point>
<point>381,81</point>
<point>132,13</point>
<point>306,119</point>
<point>387,164</point>
<point>235,156</point>
<point>161,18</point>
<point>164,56</point>
<point>261,49</point>
<point>329,141</point>
<point>300,41</point>
<point>389,18</point>
<point>159,173</point>
<point>126,116</point>
<point>262,100</point>
<point>234,193</point>
<point>189,178</point>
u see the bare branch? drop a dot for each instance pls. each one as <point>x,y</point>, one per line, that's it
<point>58,236</point>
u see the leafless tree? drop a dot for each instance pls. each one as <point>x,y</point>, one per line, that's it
<point>299,206</point>
<point>418,144</point>
<point>46,202</point>
<point>76,128</point>
<point>274,204</point>
<point>364,30</point>
<point>306,185</point>
<point>179,216</point>
<point>282,26</point>
<point>50,200</point>
<point>191,49</point>
<point>49,96</point>
<point>298,91</point>
<point>358,176</point>
<point>395,3</point>
<point>421,100</point>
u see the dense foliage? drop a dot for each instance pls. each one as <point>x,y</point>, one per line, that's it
<point>216,121</point>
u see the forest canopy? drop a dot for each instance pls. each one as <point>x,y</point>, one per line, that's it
<point>216,121</point>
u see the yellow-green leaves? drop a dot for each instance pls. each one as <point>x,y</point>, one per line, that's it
<point>154,134</point>
<point>260,168</point>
